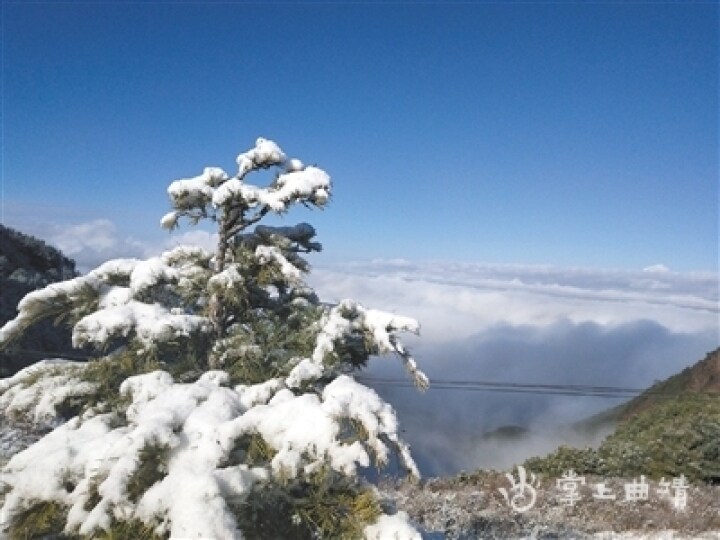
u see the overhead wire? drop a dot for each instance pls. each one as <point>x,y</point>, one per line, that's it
<point>528,388</point>
<point>577,390</point>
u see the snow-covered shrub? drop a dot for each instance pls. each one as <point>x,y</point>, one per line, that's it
<point>222,402</point>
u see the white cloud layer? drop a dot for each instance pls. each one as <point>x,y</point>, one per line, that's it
<point>526,324</point>
<point>196,237</point>
<point>453,301</point>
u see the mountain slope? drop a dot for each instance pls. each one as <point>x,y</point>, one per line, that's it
<point>703,377</point>
<point>672,428</point>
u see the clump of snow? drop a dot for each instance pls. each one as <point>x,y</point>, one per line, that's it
<point>36,369</point>
<point>294,165</point>
<point>272,255</point>
<point>36,398</point>
<point>149,273</point>
<point>265,154</point>
<point>36,304</point>
<point>304,429</point>
<point>230,190</point>
<point>258,394</point>
<point>116,268</point>
<point>114,296</point>
<point>196,192</point>
<point>40,400</point>
<point>346,398</point>
<point>306,370</point>
<point>394,527</point>
<point>149,323</point>
<point>227,279</point>
<point>349,318</point>
<point>169,220</point>
<point>311,183</point>
<point>13,328</point>
<point>383,324</point>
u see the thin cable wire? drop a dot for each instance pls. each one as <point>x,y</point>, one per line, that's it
<point>577,390</point>
<point>525,388</point>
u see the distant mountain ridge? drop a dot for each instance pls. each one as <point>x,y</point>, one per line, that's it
<point>26,264</point>
<point>672,428</point>
<point>703,377</point>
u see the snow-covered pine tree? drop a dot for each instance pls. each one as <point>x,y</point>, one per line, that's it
<point>222,402</point>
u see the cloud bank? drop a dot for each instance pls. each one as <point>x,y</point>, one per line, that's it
<point>454,300</point>
<point>91,243</point>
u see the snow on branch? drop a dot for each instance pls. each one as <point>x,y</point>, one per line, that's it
<point>197,192</point>
<point>229,278</point>
<point>110,297</point>
<point>265,154</point>
<point>349,319</point>
<point>197,425</point>
<point>213,190</point>
<point>346,398</point>
<point>88,454</point>
<point>311,184</point>
<point>35,392</point>
<point>150,323</point>
<point>52,300</point>
<point>396,526</point>
<point>270,255</point>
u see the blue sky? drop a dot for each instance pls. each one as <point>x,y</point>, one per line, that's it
<point>567,134</point>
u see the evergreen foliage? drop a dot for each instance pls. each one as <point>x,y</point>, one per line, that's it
<point>222,402</point>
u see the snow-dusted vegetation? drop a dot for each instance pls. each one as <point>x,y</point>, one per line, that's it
<point>222,402</point>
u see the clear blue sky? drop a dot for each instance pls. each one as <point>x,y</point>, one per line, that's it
<point>571,134</point>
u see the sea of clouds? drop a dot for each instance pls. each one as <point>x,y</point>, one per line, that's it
<point>529,325</point>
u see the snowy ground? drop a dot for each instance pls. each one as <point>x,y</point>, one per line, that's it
<point>471,507</point>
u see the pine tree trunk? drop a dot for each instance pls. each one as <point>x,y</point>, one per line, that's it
<point>217,310</point>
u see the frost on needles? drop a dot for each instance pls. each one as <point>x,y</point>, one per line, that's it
<point>222,402</point>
